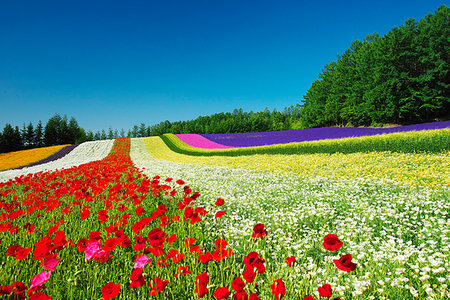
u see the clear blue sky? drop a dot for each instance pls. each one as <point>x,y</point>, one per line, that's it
<point>120,63</point>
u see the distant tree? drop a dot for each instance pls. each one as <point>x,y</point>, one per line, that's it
<point>89,135</point>
<point>52,134</point>
<point>142,130</point>
<point>39,135</point>
<point>29,136</point>
<point>103,135</point>
<point>135,131</point>
<point>122,133</point>
<point>110,133</point>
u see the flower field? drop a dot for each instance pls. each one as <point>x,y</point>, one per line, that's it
<point>252,139</point>
<point>131,219</point>
<point>21,158</point>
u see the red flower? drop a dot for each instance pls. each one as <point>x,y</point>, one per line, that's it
<point>39,296</point>
<point>345,263</point>
<point>290,260</point>
<point>249,275</point>
<point>331,242</point>
<point>140,210</point>
<point>259,231</point>
<point>82,245</point>
<point>221,293</point>
<point>201,281</point>
<point>253,296</point>
<point>22,253</point>
<point>237,284</point>
<point>110,290</point>
<point>220,202</point>
<point>278,289</point>
<point>183,271</point>
<point>156,237</point>
<point>325,291</point>
<point>180,182</point>
<point>205,258</point>
<point>219,214</point>
<point>159,286</point>
<point>309,298</point>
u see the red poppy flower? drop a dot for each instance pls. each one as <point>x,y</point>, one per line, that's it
<point>331,242</point>
<point>205,258</point>
<point>345,263</point>
<point>110,290</point>
<point>253,296</point>
<point>39,296</point>
<point>220,202</point>
<point>259,231</point>
<point>290,260</point>
<point>278,289</point>
<point>180,182</point>
<point>159,286</point>
<point>156,237</point>
<point>201,281</point>
<point>325,291</point>
<point>183,270</point>
<point>219,214</point>
<point>249,275</point>
<point>309,298</point>
<point>222,293</point>
<point>140,210</point>
<point>238,284</point>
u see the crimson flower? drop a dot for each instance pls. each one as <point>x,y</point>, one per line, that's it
<point>253,296</point>
<point>259,231</point>
<point>309,298</point>
<point>201,281</point>
<point>222,293</point>
<point>278,289</point>
<point>290,260</point>
<point>110,290</point>
<point>159,286</point>
<point>220,202</point>
<point>39,296</point>
<point>331,242</point>
<point>325,291</point>
<point>219,214</point>
<point>345,263</point>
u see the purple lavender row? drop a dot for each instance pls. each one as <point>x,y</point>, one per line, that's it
<point>312,134</point>
<point>60,154</point>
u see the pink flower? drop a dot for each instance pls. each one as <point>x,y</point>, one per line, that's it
<point>39,279</point>
<point>50,264</point>
<point>142,261</point>
<point>91,249</point>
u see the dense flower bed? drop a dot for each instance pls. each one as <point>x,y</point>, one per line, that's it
<point>198,141</point>
<point>60,154</point>
<point>24,157</point>
<point>398,234</point>
<point>301,135</point>
<point>84,153</point>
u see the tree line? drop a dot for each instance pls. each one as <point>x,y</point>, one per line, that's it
<point>402,77</point>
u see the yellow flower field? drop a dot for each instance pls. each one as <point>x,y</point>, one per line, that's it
<point>413,169</point>
<point>17,159</point>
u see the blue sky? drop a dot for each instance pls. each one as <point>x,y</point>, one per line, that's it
<point>120,63</point>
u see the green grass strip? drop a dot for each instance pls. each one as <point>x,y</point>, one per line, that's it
<point>426,141</point>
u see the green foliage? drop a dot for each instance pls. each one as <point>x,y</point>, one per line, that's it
<point>429,141</point>
<point>401,78</point>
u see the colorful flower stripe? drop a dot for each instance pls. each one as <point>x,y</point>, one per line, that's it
<point>301,135</point>
<point>24,157</point>
<point>396,233</point>
<point>413,169</point>
<point>199,141</point>
<point>58,155</point>
<point>84,153</point>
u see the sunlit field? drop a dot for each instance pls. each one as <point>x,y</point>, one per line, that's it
<point>131,219</point>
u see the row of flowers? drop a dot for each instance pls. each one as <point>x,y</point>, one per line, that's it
<point>375,217</point>
<point>84,153</point>
<point>16,159</point>
<point>96,209</point>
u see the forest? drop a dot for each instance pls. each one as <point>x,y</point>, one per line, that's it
<point>399,78</point>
